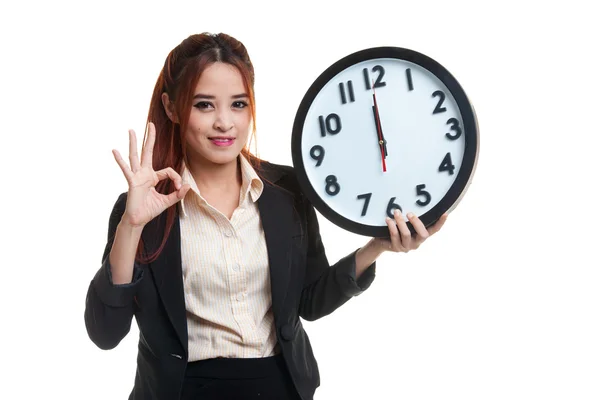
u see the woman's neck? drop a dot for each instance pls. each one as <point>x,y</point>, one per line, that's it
<point>216,178</point>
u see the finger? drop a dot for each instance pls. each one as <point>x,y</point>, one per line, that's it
<point>148,148</point>
<point>438,225</point>
<point>170,173</point>
<point>123,165</point>
<point>396,242</point>
<point>134,161</point>
<point>405,235</point>
<point>420,229</point>
<point>177,195</point>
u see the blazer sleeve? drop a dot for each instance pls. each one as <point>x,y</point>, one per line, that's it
<point>328,287</point>
<point>109,308</point>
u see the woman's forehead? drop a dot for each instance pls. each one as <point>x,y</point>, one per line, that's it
<point>222,78</point>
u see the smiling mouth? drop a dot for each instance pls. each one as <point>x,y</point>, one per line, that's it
<point>222,141</point>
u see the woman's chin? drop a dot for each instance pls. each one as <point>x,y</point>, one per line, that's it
<point>223,158</point>
<point>215,156</point>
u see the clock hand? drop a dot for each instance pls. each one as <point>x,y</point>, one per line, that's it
<point>382,138</point>
<point>379,131</point>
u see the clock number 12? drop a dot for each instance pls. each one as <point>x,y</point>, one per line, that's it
<point>378,83</point>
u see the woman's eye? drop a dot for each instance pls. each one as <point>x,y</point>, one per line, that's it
<point>203,105</point>
<point>240,104</point>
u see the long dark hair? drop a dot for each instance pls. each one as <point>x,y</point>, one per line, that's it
<point>178,78</point>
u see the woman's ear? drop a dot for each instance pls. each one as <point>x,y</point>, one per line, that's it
<point>169,108</point>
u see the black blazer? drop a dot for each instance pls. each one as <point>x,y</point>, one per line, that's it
<point>303,284</point>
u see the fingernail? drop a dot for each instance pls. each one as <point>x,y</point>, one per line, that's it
<point>396,212</point>
<point>410,215</point>
<point>387,219</point>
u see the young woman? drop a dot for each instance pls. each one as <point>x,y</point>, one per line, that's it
<point>217,254</point>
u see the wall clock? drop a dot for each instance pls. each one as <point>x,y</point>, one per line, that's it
<point>380,129</point>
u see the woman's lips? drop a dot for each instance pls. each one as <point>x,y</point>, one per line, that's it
<point>222,142</point>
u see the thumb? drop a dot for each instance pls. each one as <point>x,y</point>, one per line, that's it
<point>177,195</point>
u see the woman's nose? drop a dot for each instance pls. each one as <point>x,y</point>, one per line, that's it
<point>224,121</point>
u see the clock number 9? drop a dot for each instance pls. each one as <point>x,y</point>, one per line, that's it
<point>326,125</point>
<point>455,127</point>
<point>332,187</point>
<point>317,153</point>
<point>391,207</point>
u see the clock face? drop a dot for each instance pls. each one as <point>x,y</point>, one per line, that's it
<point>381,129</point>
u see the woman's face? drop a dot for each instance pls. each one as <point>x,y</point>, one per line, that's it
<point>219,122</point>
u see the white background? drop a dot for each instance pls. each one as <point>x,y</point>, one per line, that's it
<point>503,303</point>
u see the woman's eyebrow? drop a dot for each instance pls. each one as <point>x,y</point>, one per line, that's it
<point>209,96</point>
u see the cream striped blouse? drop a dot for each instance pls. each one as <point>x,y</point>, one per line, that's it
<point>226,275</point>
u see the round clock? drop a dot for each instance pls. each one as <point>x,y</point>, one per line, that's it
<point>381,129</point>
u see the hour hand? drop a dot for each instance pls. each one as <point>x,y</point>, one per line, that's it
<point>379,133</point>
<point>380,138</point>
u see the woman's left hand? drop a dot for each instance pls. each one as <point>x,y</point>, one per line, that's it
<point>401,239</point>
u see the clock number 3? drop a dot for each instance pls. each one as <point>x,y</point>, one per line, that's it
<point>455,127</point>
<point>332,186</point>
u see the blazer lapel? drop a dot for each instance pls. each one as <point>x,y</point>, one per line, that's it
<point>277,217</point>
<point>167,273</point>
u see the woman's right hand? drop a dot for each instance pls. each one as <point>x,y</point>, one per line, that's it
<point>144,203</point>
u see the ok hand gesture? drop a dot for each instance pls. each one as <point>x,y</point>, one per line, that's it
<point>144,203</point>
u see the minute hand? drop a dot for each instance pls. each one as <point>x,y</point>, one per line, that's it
<point>380,137</point>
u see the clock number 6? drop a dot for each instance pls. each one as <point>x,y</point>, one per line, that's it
<point>317,153</point>
<point>391,207</point>
<point>332,187</point>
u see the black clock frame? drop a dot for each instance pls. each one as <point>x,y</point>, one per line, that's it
<point>470,130</point>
